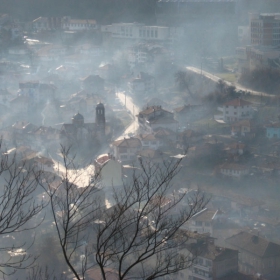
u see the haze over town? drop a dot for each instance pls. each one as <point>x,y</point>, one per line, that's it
<point>140,139</point>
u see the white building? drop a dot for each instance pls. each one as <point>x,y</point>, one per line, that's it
<point>233,170</point>
<point>202,222</point>
<point>126,149</point>
<point>136,31</point>
<point>109,170</point>
<point>78,24</point>
<point>236,110</point>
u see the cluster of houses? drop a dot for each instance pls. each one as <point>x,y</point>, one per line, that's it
<point>65,98</point>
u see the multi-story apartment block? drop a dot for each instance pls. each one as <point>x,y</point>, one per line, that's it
<point>265,29</point>
<point>209,262</point>
<point>136,31</point>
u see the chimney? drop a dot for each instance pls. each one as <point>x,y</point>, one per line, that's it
<point>255,239</point>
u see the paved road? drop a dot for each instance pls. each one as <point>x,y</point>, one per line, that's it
<point>133,109</point>
<point>216,79</point>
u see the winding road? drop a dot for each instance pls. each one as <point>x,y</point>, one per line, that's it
<point>216,79</point>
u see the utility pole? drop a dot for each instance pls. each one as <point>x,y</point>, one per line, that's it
<point>125,99</point>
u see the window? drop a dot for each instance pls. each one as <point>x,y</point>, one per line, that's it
<point>156,33</point>
<point>148,33</point>
<point>140,32</point>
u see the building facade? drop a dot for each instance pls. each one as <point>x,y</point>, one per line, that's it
<point>236,110</point>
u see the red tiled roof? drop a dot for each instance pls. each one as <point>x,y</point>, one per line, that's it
<point>128,142</point>
<point>102,158</point>
<point>237,102</point>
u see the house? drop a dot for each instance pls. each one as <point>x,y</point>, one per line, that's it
<point>93,83</point>
<point>147,55</point>
<point>39,162</point>
<point>186,113</point>
<point>273,130</point>
<point>189,137</point>
<point>233,170</point>
<point>243,128</point>
<point>126,149</point>
<point>46,23</point>
<point>51,53</point>
<point>107,71</point>
<point>235,149</point>
<point>244,205</point>
<point>154,117</point>
<point>143,83</point>
<point>36,91</point>
<point>256,254</point>
<point>45,136</point>
<point>210,262</point>
<point>150,141</point>
<point>236,110</point>
<point>21,105</point>
<point>203,221</point>
<point>109,171</point>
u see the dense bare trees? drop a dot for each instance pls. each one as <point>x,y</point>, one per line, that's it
<point>18,208</point>
<point>137,237</point>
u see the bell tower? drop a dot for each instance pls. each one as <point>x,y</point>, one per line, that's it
<point>100,117</point>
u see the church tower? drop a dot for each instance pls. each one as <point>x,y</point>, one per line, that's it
<point>100,118</point>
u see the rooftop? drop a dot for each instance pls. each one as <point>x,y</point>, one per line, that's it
<point>254,244</point>
<point>238,102</point>
<point>128,142</point>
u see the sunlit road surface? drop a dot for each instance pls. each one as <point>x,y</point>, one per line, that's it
<point>133,109</point>
<point>216,79</point>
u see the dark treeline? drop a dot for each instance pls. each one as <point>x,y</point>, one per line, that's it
<point>104,11</point>
<point>263,79</point>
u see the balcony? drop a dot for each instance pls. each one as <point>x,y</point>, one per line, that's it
<point>202,267</point>
<point>199,276</point>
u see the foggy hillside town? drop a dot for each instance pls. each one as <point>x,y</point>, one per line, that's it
<point>140,139</point>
